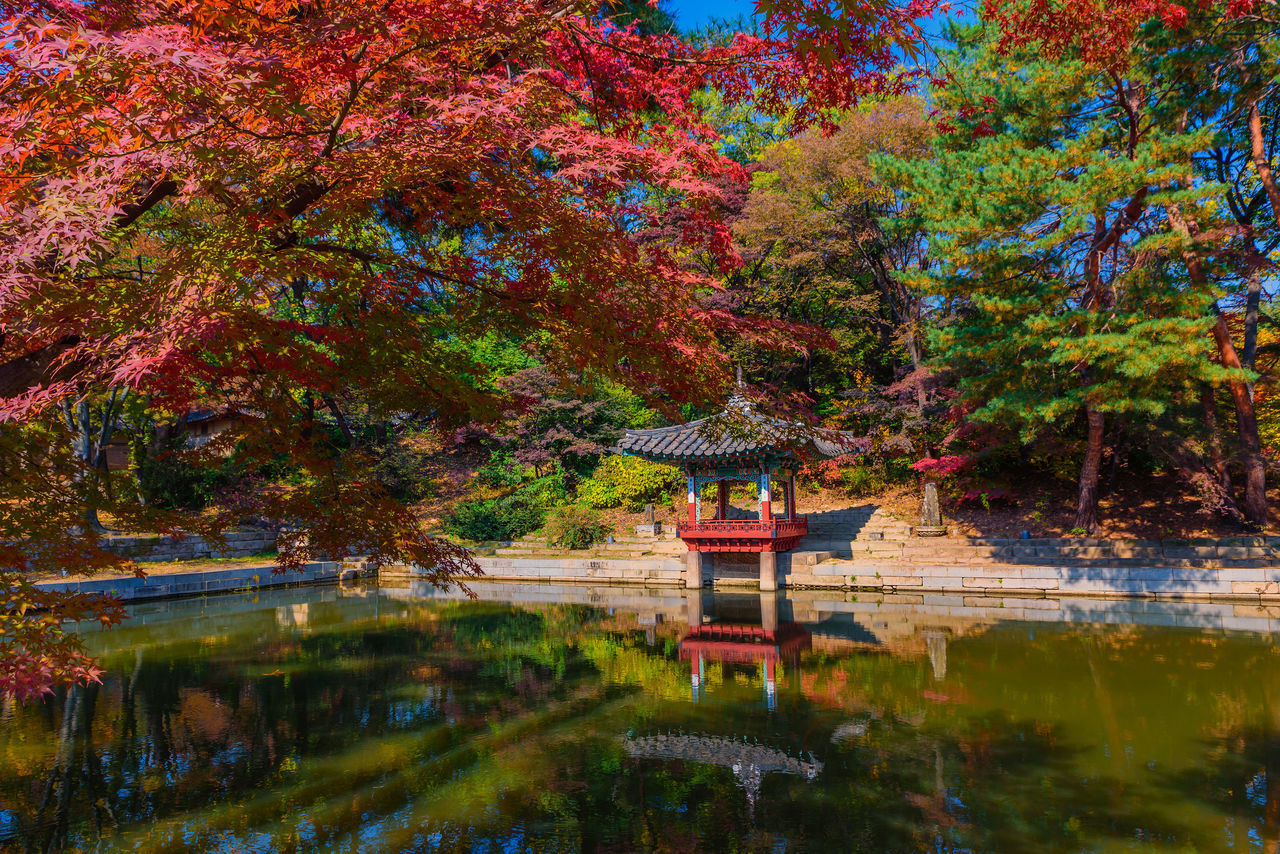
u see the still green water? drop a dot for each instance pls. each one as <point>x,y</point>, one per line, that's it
<point>407,720</point>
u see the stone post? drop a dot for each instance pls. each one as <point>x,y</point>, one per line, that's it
<point>930,514</point>
<point>768,571</point>
<point>693,570</point>
<point>651,527</point>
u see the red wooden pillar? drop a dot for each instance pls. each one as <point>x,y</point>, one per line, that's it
<point>766,512</point>
<point>791,498</point>
<point>722,499</point>
<point>693,500</point>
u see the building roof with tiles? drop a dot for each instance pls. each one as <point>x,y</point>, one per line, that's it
<point>738,433</point>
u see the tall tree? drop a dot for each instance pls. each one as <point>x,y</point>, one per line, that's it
<point>1048,204</point>
<point>829,237</point>
<point>1220,64</point>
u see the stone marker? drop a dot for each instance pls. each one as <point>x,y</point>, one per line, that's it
<point>931,514</point>
<point>650,528</point>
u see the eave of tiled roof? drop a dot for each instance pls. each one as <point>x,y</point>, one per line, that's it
<point>745,434</point>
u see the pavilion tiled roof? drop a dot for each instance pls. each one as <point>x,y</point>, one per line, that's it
<point>736,433</point>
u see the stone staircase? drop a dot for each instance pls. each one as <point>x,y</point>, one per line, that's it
<point>868,547</point>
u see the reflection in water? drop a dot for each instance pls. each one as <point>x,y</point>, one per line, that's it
<point>764,643</point>
<point>558,718</point>
<point>749,762</point>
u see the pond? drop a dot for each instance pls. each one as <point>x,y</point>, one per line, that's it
<point>564,719</point>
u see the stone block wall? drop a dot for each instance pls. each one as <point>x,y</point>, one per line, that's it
<point>653,571</point>
<point>144,549</point>
<point>181,584</point>
<point>998,579</point>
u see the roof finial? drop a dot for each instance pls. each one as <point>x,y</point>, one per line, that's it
<point>740,382</point>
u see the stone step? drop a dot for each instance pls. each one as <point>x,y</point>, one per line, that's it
<point>890,566</point>
<point>807,558</point>
<point>625,545</point>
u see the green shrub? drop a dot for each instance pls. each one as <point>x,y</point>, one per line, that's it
<point>502,470</point>
<point>861,480</point>
<point>573,526</point>
<point>546,491</point>
<point>507,518</point>
<point>629,482</point>
<point>172,481</point>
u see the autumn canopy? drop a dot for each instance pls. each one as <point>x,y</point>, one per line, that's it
<point>223,204</point>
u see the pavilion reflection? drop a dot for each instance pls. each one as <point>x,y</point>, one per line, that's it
<point>749,762</point>
<point>732,636</point>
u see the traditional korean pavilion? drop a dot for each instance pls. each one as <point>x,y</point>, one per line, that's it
<point>738,444</point>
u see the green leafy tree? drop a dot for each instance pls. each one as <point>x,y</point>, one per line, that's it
<point>1048,201</point>
<point>829,238</point>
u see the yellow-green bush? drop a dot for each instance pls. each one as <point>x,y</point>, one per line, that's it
<point>629,482</point>
<point>572,526</point>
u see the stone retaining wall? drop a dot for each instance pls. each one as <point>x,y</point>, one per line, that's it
<point>653,571</point>
<point>151,549</point>
<point>650,605</point>
<point>166,585</point>
<point>997,579</point>
<point>1259,581</point>
<point>1222,552</point>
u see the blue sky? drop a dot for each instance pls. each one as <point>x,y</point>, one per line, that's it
<point>693,13</point>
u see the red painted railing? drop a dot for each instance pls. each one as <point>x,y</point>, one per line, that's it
<point>742,535</point>
<point>744,527</point>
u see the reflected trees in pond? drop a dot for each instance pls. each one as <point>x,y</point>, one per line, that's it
<point>479,726</point>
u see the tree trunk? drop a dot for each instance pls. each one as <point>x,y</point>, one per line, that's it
<point>338,415</point>
<point>309,417</point>
<point>1087,509</point>
<point>1253,298</point>
<point>79,421</point>
<point>18,376</point>
<point>1209,409</point>
<point>1255,471</point>
<point>913,351</point>
<point>1257,145</point>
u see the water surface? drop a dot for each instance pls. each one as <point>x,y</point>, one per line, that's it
<point>564,719</point>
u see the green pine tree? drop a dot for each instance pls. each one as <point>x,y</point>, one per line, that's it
<point>1047,204</point>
